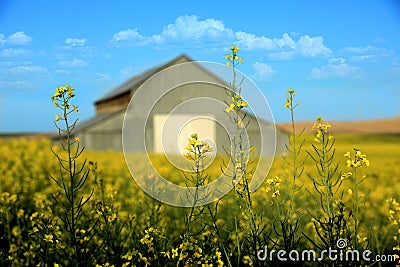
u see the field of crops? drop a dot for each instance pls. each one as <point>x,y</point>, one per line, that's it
<point>329,201</point>
<point>122,225</point>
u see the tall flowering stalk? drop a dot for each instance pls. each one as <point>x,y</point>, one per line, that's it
<point>330,222</point>
<point>241,175</point>
<point>197,150</point>
<point>294,148</point>
<point>355,162</point>
<point>287,216</point>
<point>72,177</point>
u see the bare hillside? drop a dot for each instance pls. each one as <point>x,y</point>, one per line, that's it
<point>384,126</point>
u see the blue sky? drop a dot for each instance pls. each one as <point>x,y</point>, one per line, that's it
<point>342,57</point>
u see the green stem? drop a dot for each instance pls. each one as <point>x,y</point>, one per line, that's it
<point>356,211</point>
<point>294,155</point>
<point>72,185</point>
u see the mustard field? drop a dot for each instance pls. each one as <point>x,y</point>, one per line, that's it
<point>117,224</point>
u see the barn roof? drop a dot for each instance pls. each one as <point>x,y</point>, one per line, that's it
<point>136,81</point>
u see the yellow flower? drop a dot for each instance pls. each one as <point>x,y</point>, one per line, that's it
<point>350,191</point>
<point>287,104</point>
<point>234,49</point>
<point>275,194</point>
<point>174,252</point>
<point>240,123</point>
<point>231,107</point>
<point>243,104</point>
<point>48,238</point>
<point>77,139</point>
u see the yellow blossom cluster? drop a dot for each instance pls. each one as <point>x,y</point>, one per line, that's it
<point>61,100</point>
<point>63,91</point>
<point>394,218</point>
<point>273,186</point>
<point>237,104</point>
<point>196,147</point>
<point>233,58</point>
<point>290,93</point>
<point>358,160</point>
<point>322,130</point>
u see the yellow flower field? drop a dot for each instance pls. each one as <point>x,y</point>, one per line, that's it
<point>145,231</point>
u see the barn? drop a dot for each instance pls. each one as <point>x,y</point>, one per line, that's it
<point>160,122</point>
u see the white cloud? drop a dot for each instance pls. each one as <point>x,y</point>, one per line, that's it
<point>312,46</point>
<point>15,52</point>
<point>336,67</point>
<point>360,53</point>
<point>4,85</point>
<point>29,69</point>
<point>62,72</point>
<point>18,38</point>
<point>192,29</point>
<point>78,63</point>
<point>262,71</point>
<point>132,36</point>
<point>359,49</point>
<point>75,42</point>
<point>126,35</point>
<point>8,64</point>
<point>251,41</point>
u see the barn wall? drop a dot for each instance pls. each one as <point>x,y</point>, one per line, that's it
<point>104,135</point>
<point>108,133</point>
<point>113,105</point>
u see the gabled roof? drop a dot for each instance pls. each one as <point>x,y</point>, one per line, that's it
<point>136,81</point>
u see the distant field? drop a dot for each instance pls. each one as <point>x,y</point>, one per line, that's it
<point>384,126</point>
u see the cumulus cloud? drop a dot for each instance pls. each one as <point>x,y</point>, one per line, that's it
<point>132,36</point>
<point>17,38</point>
<point>336,67</point>
<point>252,41</point>
<point>75,42</point>
<point>262,71</point>
<point>78,63</point>
<point>192,29</point>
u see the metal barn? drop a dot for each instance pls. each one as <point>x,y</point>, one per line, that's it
<point>169,123</point>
